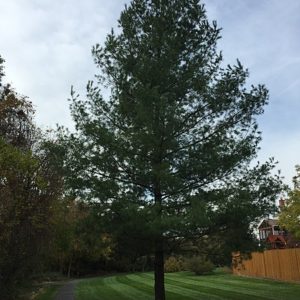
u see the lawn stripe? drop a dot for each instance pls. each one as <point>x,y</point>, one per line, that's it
<point>185,286</point>
<point>149,284</point>
<point>98,288</point>
<point>86,290</point>
<point>267,289</point>
<point>127,292</point>
<point>140,288</point>
<point>223,292</point>
<point>179,291</point>
<point>221,288</point>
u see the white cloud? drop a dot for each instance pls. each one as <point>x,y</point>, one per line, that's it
<point>264,36</point>
<point>47,46</point>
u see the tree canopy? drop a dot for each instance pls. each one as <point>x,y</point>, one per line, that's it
<point>167,154</point>
<point>289,217</point>
<point>29,185</point>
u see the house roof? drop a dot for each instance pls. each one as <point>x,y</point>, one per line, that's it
<point>267,223</point>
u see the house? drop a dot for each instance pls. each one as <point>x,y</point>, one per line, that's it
<point>273,235</point>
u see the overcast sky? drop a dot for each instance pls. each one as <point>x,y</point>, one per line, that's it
<point>47,48</point>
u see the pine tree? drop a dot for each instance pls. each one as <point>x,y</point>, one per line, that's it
<point>167,154</point>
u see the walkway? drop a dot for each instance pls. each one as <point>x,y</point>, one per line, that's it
<point>66,292</point>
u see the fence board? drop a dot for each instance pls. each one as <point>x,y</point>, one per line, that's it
<point>280,264</point>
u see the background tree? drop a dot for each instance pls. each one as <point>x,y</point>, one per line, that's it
<point>170,148</point>
<point>289,217</point>
<point>29,185</point>
<point>1,70</point>
<point>296,178</point>
<point>79,244</point>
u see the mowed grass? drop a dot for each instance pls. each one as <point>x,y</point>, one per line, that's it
<point>180,286</point>
<point>48,292</point>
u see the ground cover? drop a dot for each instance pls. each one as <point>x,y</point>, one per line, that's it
<point>47,292</point>
<point>184,285</point>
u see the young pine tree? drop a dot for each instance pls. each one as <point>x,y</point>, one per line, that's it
<point>167,154</point>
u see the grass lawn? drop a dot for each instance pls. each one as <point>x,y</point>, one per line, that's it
<point>181,286</point>
<point>48,292</point>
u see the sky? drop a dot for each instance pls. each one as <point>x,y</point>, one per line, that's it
<point>47,48</point>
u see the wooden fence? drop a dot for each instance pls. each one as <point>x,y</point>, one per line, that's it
<point>280,264</point>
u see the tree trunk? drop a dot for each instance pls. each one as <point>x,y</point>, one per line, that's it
<point>61,265</point>
<point>159,278</point>
<point>159,285</point>
<point>69,267</point>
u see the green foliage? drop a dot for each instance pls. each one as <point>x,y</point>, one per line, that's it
<point>1,70</point>
<point>28,188</point>
<point>296,178</point>
<point>168,154</point>
<point>289,217</point>
<point>174,141</point>
<point>173,264</point>
<point>199,265</point>
<point>78,241</point>
<point>19,226</point>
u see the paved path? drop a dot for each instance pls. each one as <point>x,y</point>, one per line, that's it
<point>66,292</point>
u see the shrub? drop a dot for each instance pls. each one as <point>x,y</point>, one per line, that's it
<point>223,270</point>
<point>199,265</point>
<point>173,264</point>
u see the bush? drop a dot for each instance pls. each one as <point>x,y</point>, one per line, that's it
<point>199,265</point>
<point>173,264</point>
<point>223,270</point>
